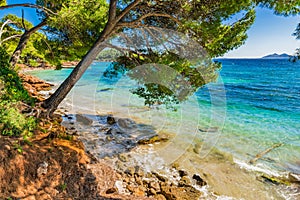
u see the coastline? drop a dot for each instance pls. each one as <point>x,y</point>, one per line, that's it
<point>227,172</point>
<point>101,181</point>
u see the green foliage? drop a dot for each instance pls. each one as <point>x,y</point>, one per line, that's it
<point>281,7</point>
<point>12,122</point>
<point>297,32</point>
<point>108,55</point>
<point>11,83</point>
<point>18,24</point>
<point>173,84</point>
<point>296,56</point>
<point>76,27</point>
<point>2,2</point>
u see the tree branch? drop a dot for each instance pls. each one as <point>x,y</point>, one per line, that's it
<point>112,11</point>
<point>10,37</point>
<point>37,27</point>
<point>129,24</point>
<point>28,5</point>
<point>23,23</point>
<point>5,23</point>
<point>48,45</point>
<point>128,9</point>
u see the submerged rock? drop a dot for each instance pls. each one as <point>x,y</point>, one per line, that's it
<point>199,180</point>
<point>110,120</point>
<point>84,120</point>
<point>175,193</point>
<point>126,123</point>
<point>182,173</point>
<point>151,140</point>
<point>295,178</point>
<point>209,129</point>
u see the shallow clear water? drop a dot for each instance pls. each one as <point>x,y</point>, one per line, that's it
<point>260,108</point>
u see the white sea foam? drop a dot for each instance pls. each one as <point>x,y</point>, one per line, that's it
<point>258,168</point>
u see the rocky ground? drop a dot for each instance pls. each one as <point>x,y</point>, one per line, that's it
<point>53,165</point>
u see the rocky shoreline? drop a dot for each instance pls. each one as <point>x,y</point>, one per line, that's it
<point>53,164</point>
<point>135,180</point>
<point>115,177</point>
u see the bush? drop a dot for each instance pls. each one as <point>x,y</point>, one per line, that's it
<point>13,123</point>
<point>12,93</point>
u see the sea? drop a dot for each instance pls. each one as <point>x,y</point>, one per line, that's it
<point>251,111</point>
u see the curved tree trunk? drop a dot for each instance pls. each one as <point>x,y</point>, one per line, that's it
<point>56,98</point>
<point>22,43</point>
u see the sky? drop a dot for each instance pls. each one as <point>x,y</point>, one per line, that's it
<point>269,34</point>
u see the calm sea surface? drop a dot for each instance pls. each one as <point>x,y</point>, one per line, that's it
<point>260,107</point>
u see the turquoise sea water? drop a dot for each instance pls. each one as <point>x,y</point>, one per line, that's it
<point>262,108</point>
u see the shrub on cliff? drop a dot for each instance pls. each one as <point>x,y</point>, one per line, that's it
<point>12,94</point>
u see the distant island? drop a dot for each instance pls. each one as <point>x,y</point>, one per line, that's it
<point>277,56</point>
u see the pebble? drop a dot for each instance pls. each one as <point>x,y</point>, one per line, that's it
<point>42,169</point>
<point>111,191</point>
<point>160,197</point>
<point>123,158</point>
<point>199,180</point>
<point>182,173</point>
<point>154,185</point>
<point>185,180</point>
<point>130,171</point>
<point>110,120</point>
<point>7,147</point>
<point>152,191</point>
<point>160,177</point>
<point>175,165</point>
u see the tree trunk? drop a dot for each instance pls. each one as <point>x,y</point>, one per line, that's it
<point>56,98</point>
<point>22,43</point>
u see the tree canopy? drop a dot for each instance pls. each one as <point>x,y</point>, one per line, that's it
<point>80,28</point>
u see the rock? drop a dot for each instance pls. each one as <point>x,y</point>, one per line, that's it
<point>152,140</point>
<point>184,181</point>
<point>182,173</point>
<point>209,129</point>
<point>197,148</point>
<point>110,120</point>
<point>31,197</point>
<point>42,169</point>
<point>126,123</point>
<point>130,171</point>
<point>160,177</point>
<point>176,193</point>
<point>104,90</point>
<point>111,191</point>
<point>152,191</point>
<point>154,185</point>
<point>139,171</point>
<point>123,158</point>
<point>130,188</point>
<point>83,120</point>
<point>199,180</point>
<point>138,180</point>
<point>175,165</point>
<point>119,187</point>
<point>294,177</point>
<point>160,197</point>
<point>7,147</point>
<point>109,138</point>
<point>44,197</point>
<point>139,191</point>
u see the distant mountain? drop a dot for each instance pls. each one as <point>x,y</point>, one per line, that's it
<point>277,56</point>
